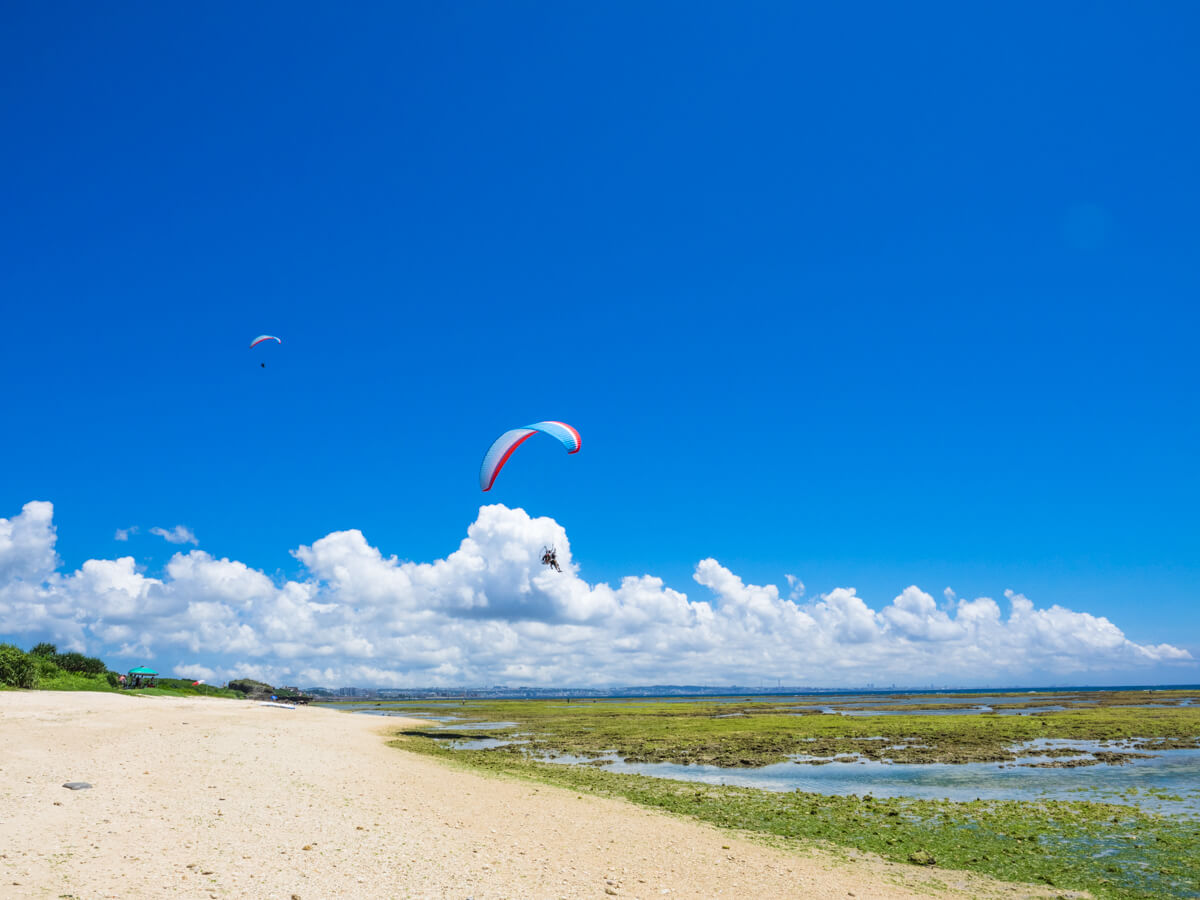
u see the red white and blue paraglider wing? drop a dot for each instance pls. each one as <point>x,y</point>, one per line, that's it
<point>504,446</point>
<point>264,337</point>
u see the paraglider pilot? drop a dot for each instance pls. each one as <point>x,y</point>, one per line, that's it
<point>550,558</point>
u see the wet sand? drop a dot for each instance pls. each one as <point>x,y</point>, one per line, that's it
<point>209,798</point>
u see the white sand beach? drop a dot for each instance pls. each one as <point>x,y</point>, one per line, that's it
<point>212,798</point>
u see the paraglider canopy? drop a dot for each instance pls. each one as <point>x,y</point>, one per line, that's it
<point>264,337</point>
<point>502,448</point>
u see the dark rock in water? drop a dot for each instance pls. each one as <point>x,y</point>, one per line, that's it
<point>77,785</point>
<point>922,858</point>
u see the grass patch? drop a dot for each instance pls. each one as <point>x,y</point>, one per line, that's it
<point>60,680</point>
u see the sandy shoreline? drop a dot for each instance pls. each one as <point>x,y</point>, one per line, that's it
<point>211,798</point>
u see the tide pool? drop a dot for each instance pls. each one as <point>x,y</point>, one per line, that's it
<point>1167,782</point>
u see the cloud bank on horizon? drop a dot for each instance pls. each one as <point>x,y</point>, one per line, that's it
<point>489,612</point>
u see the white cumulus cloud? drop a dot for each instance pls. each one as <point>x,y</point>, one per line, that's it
<point>490,612</point>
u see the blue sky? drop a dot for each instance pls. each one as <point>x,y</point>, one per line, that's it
<point>877,298</point>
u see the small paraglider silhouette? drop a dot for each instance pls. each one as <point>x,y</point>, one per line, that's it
<point>550,558</point>
<point>264,337</point>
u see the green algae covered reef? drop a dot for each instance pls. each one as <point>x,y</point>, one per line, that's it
<point>1112,849</point>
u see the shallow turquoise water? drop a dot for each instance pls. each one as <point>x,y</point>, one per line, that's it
<point>1140,782</point>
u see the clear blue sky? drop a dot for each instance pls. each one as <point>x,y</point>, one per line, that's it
<point>874,296</point>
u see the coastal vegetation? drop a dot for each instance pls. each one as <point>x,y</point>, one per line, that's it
<point>17,668</point>
<point>1111,849</point>
<point>44,668</point>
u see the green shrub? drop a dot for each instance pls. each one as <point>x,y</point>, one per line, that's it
<point>46,666</point>
<point>17,668</point>
<point>44,650</point>
<point>77,662</point>
<point>113,680</point>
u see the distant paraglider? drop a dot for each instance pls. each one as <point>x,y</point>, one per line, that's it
<point>550,558</point>
<point>504,446</point>
<point>264,337</point>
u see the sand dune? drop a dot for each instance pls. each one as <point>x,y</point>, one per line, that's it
<point>218,798</point>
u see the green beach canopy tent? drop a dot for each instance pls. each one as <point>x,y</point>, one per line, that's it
<point>142,670</point>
